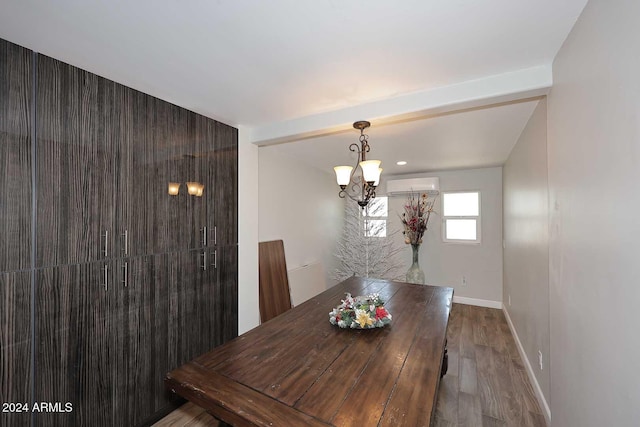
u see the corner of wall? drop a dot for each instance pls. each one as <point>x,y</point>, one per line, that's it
<point>248,192</point>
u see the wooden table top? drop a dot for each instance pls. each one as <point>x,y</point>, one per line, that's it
<point>299,370</point>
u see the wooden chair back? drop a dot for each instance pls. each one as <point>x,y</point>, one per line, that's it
<point>275,297</point>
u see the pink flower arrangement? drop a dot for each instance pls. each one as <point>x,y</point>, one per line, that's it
<point>361,312</point>
<point>415,218</point>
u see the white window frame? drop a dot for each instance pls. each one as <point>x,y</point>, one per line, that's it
<point>384,218</point>
<point>477,218</point>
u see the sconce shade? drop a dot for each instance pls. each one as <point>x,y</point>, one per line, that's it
<point>174,188</point>
<point>371,170</point>
<point>192,188</point>
<point>343,174</point>
<point>200,190</point>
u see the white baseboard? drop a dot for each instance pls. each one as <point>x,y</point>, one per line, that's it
<point>478,302</point>
<point>536,387</point>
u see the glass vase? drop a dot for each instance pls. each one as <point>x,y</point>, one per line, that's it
<point>415,274</point>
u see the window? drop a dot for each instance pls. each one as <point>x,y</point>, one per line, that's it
<point>461,217</point>
<point>375,217</point>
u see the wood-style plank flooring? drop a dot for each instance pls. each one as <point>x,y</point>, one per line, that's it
<point>188,415</point>
<point>486,385</point>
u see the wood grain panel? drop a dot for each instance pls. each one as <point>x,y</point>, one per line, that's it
<point>76,164</point>
<point>226,182</point>
<point>275,297</point>
<point>185,278</point>
<point>15,344</point>
<point>105,156</point>
<point>15,156</point>
<point>75,344</point>
<point>135,334</point>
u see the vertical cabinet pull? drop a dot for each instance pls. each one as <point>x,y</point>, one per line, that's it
<point>215,234</point>
<point>105,251</point>
<point>204,235</point>
<point>126,242</point>
<point>125,274</point>
<point>215,258</point>
<point>105,272</point>
<point>204,261</point>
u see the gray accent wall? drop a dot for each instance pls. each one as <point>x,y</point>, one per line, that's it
<point>594,241</point>
<point>526,243</point>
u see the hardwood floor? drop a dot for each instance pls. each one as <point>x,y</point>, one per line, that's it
<point>486,385</point>
<point>188,415</point>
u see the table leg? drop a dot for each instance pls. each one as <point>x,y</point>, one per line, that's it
<point>445,361</point>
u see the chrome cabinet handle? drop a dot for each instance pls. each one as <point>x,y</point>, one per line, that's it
<point>204,235</point>
<point>105,251</point>
<point>204,261</point>
<point>125,273</point>
<point>126,242</point>
<point>105,271</point>
<point>215,258</point>
<point>215,234</point>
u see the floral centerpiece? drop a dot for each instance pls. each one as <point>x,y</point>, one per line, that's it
<point>361,312</point>
<point>415,218</point>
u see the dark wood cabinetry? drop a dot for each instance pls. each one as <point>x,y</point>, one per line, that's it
<point>77,149</point>
<point>15,157</point>
<point>15,229</point>
<point>129,282</point>
<point>15,344</point>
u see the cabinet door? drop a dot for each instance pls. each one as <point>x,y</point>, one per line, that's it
<point>226,183</point>
<point>164,148</point>
<point>226,294</point>
<point>15,156</point>
<point>183,334</point>
<point>75,344</point>
<point>15,345</point>
<point>76,163</point>
<point>138,362</point>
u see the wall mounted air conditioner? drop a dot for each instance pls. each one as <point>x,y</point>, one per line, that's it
<point>399,187</point>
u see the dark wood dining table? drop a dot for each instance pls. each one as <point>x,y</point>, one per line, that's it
<point>299,370</point>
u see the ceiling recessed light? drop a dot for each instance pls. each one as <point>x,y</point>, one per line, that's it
<point>401,163</point>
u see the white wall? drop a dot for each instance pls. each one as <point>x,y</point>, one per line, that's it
<point>444,264</point>
<point>299,205</point>
<point>248,307</point>
<point>526,236</point>
<point>594,181</point>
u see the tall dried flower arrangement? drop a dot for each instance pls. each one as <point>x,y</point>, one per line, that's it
<point>417,211</point>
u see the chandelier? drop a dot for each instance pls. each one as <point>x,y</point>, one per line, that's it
<point>360,188</point>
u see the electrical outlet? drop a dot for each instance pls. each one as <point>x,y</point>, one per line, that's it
<point>464,281</point>
<point>509,300</point>
<point>540,359</point>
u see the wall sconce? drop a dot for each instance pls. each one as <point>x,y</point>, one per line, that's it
<point>174,188</point>
<point>195,188</point>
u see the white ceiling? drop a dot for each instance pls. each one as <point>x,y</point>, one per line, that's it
<point>253,63</point>
<point>478,138</point>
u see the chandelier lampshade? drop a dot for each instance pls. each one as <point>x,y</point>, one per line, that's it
<point>343,175</point>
